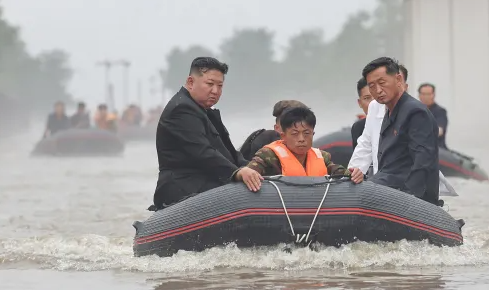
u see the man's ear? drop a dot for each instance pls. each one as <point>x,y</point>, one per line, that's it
<point>399,78</point>
<point>276,127</point>
<point>282,135</point>
<point>190,82</point>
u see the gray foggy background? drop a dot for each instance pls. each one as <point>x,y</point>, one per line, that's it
<point>65,223</point>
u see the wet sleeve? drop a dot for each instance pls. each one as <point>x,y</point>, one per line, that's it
<point>265,162</point>
<point>423,150</point>
<point>362,154</point>
<point>188,130</point>
<point>334,169</point>
<point>240,159</point>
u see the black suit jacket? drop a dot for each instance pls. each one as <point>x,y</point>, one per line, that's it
<point>257,140</point>
<point>195,152</point>
<point>357,131</point>
<point>408,150</point>
<point>440,115</point>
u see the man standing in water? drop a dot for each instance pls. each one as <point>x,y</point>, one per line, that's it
<point>427,96</point>
<point>408,144</point>
<point>195,153</point>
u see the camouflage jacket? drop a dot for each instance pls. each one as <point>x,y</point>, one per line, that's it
<point>267,163</point>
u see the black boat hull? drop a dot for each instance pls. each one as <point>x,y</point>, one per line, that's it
<point>80,142</point>
<point>454,164</point>
<point>232,214</point>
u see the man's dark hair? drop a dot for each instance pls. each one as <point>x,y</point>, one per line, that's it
<point>360,85</point>
<point>102,107</point>
<point>201,65</point>
<point>432,86</point>
<point>81,105</point>
<point>404,71</point>
<point>294,115</point>
<point>281,106</point>
<point>391,66</point>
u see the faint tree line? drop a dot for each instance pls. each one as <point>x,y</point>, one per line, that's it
<point>31,81</point>
<point>312,67</point>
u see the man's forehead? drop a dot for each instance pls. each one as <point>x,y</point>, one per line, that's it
<point>364,92</point>
<point>380,71</point>
<point>301,126</point>
<point>213,75</point>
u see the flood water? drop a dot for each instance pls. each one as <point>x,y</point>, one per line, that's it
<point>66,224</point>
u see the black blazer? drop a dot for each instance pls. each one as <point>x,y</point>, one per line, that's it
<point>357,131</point>
<point>408,150</point>
<point>195,152</point>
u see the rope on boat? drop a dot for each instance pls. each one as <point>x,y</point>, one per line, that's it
<point>304,237</point>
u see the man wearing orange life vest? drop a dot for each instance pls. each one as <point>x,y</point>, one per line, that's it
<point>293,155</point>
<point>105,120</point>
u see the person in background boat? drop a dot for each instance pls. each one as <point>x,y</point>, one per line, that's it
<point>262,137</point>
<point>154,115</point>
<point>81,119</point>
<point>427,96</point>
<point>105,120</point>
<point>57,121</point>
<point>364,99</point>
<point>132,116</point>
<point>408,144</point>
<point>365,152</point>
<point>195,153</point>
<point>293,155</point>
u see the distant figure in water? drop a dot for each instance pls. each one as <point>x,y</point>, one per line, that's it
<point>132,116</point>
<point>57,121</point>
<point>81,119</point>
<point>154,115</point>
<point>427,96</point>
<point>105,120</point>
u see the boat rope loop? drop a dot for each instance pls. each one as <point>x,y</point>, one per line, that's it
<point>301,238</point>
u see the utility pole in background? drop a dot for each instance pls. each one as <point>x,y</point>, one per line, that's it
<point>125,80</point>
<point>140,93</point>
<point>152,87</point>
<point>162,75</point>
<point>107,65</point>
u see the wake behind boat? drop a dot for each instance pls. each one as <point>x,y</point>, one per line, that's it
<point>301,210</point>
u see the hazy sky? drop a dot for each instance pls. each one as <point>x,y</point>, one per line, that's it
<point>144,31</point>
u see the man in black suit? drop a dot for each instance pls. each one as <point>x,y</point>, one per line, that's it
<point>408,144</point>
<point>195,152</point>
<point>427,96</point>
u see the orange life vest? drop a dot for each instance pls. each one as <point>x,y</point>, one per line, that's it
<point>292,167</point>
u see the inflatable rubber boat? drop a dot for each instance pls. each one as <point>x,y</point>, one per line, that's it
<point>133,133</point>
<point>294,210</point>
<point>452,163</point>
<point>80,142</point>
